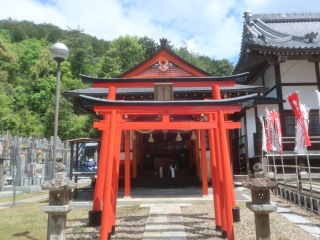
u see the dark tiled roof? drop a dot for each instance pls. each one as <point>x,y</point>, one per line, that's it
<point>277,34</point>
<point>291,31</point>
<point>246,100</point>
<point>103,92</point>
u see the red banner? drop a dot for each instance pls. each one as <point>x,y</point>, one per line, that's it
<point>294,102</point>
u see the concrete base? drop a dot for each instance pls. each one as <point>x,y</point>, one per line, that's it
<point>95,218</point>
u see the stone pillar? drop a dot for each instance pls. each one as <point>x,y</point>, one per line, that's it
<point>59,189</point>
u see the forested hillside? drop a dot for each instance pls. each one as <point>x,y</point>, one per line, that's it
<point>28,74</point>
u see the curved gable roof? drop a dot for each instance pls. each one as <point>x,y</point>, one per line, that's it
<point>278,34</point>
<point>170,64</point>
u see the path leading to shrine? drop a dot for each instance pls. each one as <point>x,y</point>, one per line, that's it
<point>165,222</point>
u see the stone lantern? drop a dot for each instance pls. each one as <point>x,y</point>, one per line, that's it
<point>59,189</point>
<point>260,205</point>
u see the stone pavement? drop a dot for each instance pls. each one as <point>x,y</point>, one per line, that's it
<point>164,222</point>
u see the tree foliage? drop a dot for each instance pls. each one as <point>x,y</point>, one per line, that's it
<point>28,74</point>
<point>124,53</point>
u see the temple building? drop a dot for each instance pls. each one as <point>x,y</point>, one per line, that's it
<point>281,53</point>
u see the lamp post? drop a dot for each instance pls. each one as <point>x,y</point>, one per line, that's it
<point>59,52</point>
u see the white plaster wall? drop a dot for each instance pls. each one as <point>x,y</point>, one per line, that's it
<point>251,128</point>
<point>307,95</point>
<point>269,77</point>
<point>242,130</point>
<point>298,71</point>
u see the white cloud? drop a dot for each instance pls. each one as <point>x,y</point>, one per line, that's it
<point>209,27</point>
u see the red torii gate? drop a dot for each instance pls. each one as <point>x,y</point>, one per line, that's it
<point>113,112</point>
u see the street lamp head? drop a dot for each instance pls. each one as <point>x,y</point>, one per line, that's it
<point>59,52</point>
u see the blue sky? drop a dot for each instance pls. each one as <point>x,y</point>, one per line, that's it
<point>208,27</point>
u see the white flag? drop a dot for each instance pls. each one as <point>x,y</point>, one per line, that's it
<point>264,142</point>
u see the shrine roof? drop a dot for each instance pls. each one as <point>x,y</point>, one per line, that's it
<point>177,66</point>
<point>244,101</point>
<point>238,78</point>
<point>103,92</point>
<point>278,34</point>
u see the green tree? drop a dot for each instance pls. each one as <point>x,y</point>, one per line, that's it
<point>28,52</point>
<point>124,54</point>
<point>8,63</point>
<point>149,46</point>
<point>214,67</point>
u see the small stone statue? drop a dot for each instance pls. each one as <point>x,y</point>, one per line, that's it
<point>258,171</point>
<point>60,167</point>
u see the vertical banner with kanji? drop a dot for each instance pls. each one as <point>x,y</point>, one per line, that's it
<point>277,126</point>
<point>302,115</point>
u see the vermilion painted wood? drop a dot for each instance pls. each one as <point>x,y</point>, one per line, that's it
<point>227,175</point>
<point>221,187</point>
<point>204,174</point>
<point>171,126</point>
<point>116,171</point>
<point>134,157</point>
<point>112,93</point>
<point>197,153</point>
<point>137,84</point>
<point>164,54</point>
<point>106,220</point>
<point>214,176</point>
<point>225,166</point>
<point>167,110</point>
<point>127,164</point>
<point>98,192</point>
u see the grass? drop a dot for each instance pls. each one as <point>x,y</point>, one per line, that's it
<point>23,196</point>
<point>28,221</point>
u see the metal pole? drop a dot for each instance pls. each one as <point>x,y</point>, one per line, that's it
<point>56,117</point>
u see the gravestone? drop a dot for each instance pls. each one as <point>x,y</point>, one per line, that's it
<point>19,174</point>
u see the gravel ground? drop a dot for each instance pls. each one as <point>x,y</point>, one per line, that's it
<point>199,224</point>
